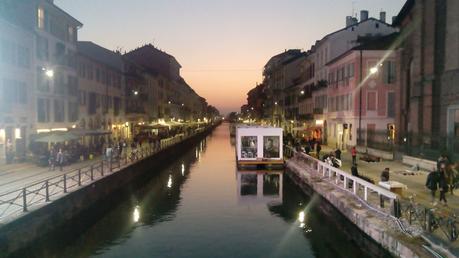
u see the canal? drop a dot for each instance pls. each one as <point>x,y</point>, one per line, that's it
<point>201,206</point>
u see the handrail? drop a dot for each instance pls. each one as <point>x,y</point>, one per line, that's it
<point>17,201</point>
<point>350,183</point>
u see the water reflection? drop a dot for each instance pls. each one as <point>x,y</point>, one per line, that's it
<point>259,187</point>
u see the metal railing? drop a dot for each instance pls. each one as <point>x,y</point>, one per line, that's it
<point>406,212</point>
<point>16,202</point>
<point>371,195</point>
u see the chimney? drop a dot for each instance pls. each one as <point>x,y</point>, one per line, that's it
<point>393,19</point>
<point>363,15</point>
<point>382,16</point>
<point>348,21</point>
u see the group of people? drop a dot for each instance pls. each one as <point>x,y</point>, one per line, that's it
<point>56,158</point>
<point>309,145</point>
<point>441,179</point>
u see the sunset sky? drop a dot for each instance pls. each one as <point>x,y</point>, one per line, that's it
<point>222,45</point>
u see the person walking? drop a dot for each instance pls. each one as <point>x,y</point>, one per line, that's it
<point>443,185</point>
<point>385,175</point>
<point>432,184</point>
<point>442,162</point>
<point>51,160</point>
<point>354,155</point>
<point>60,159</point>
<point>338,153</point>
<point>318,149</point>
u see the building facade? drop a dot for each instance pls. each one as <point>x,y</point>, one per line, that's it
<point>429,95</point>
<point>101,90</point>
<point>17,77</point>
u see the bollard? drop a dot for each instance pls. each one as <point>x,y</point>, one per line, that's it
<point>381,201</point>
<point>79,177</point>
<point>92,172</point>
<point>65,183</point>
<point>24,200</point>
<point>397,208</point>
<point>47,191</point>
<point>102,168</point>
<point>110,166</point>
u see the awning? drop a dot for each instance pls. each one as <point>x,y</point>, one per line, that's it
<point>54,137</point>
<point>89,132</point>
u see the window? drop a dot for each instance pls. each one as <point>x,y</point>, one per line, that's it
<point>72,85</point>
<point>248,147</point>
<point>71,34</point>
<point>42,80</point>
<point>97,75</point>
<point>41,18</point>
<point>59,110</point>
<point>92,103</point>
<point>271,147</point>
<point>42,48</point>
<point>21,93</point>
<point>59,83</point>
<point>82,97</point>
<point>391,104</point>
<point>109,79</point>
<point>23,57</point>
<point>42,110</point>
<point>73,111</point>
<point>116,106</point>
<point>377,25</point>
<point>8,51</point>
<point>14,92</point>
<point>389,72</point>
<point>371,101</point>
<point>90,72</point>
<point>351,70</point>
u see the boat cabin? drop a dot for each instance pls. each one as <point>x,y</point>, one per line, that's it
<point>259,146</point>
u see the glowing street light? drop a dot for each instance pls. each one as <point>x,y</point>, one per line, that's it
<point>49,73</point>
<point>169,102</point>
<point>373,70</point>
<point>136,93</point>
<point>275,103</point>
<point>302,92</point>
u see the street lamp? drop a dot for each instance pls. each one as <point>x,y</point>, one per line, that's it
<point>48,72</point>
<point>136,93</point>
<point>302,92</point>
<point>169,102</point>
<point>373,70</point>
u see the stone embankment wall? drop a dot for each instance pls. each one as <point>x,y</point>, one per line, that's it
<point>377,226</point>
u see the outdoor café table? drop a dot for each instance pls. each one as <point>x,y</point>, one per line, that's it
<point>393,186</point>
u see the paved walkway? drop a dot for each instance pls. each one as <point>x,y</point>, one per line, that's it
<point>16,176</point>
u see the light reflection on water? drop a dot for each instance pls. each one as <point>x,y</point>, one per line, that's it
<point>208,209</point>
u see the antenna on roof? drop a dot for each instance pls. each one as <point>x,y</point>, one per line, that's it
<point>353,5</point>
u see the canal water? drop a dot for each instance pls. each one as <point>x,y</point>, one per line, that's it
<point>201,206</point>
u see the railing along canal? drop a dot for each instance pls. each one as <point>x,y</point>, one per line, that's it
<point>371,195</point>
<point>40,193</point>
<point>430,220</point>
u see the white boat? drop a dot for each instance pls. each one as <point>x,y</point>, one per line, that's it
<point>259,146</point>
